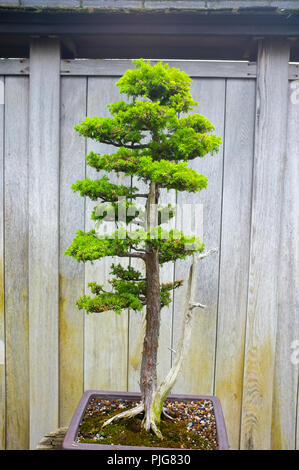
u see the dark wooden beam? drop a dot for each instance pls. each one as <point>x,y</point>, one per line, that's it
<point>178,22</point>
<point>198,34</point>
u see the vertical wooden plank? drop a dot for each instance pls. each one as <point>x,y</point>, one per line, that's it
<point>286,373</point>
<point>43,235</point>
<point>137,323</point>
<point>198,371</point>
<point>166,275</point>
<point>269,161</point>
<point>106,334</point>
<point>2,318</point>
<point>234,257</point>
<point>71,273</point>
<point>16,262</point>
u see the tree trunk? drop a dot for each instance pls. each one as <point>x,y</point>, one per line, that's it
<point>148,378</point>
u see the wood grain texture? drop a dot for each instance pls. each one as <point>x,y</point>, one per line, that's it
<point>269,161</point>
<point>14,66</point>
<point>43,235</point>
<point>166,275</point>
<point>16,262</point>
<point>106,334</point>
<point>198,371</point>
<point>71,273</point>
<point>2,317</point>
<point>137,322</point>
<point>284,404</point>
<point>234,254</point>
<point>53,440</point>
<point>194,68</point>
<point>116,67</point>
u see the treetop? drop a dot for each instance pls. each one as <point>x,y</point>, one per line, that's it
<point>159,82</point>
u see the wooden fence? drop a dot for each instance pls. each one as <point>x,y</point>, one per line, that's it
<point>242,342</point>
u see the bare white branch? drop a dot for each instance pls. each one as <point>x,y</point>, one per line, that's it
<point>195,305</point>
<point>172,350</point>
<point>164,412</point>
<point>207,253</point>
<point>126,414</point>
<point>183,345</point>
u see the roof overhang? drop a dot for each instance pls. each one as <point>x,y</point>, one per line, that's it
<point>182,32</point>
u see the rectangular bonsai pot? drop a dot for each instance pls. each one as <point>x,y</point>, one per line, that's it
<point>70,443</point>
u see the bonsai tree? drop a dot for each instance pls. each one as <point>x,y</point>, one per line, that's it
<point>154,143</point>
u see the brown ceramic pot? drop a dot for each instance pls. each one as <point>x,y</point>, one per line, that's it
<point>70,443</point>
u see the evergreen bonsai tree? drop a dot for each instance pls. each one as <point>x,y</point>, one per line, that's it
<point>154,143</point>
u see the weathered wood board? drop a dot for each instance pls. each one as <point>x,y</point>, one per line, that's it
<point>265,253</point>
<point>16,261</point>
<point>195,68</point>
<point>2,318</point>
<point>102,67</point>
<point>234,251</point>
<point>137,322</point>
<point>44,113</point>
<point>14,66</point>
<point>106,334</point>
<point>284,405</point>
<point>198,371</point>
<point>71,273</point>
<point>166,275</point>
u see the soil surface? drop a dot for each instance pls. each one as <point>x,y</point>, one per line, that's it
<point>193,425</point>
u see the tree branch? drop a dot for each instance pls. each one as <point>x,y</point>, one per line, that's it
<point>125,414</point>
<point>207,253</point>
<point>132,146</point>
<point>137,249</point>
<point>132,255</point>
<point>183,345</point>
<point>195,305</point>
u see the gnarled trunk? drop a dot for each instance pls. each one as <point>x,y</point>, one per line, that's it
<point>148,376</point>
<point>183,345</point>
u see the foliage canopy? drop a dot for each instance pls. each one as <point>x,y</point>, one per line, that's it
<point>154,143</point>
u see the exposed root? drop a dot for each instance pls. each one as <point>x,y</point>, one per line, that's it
<point>148,424</point>
<point>156,430</point>
<point>125,414</point>
<point>134,412</point>
<point>164,413</point>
